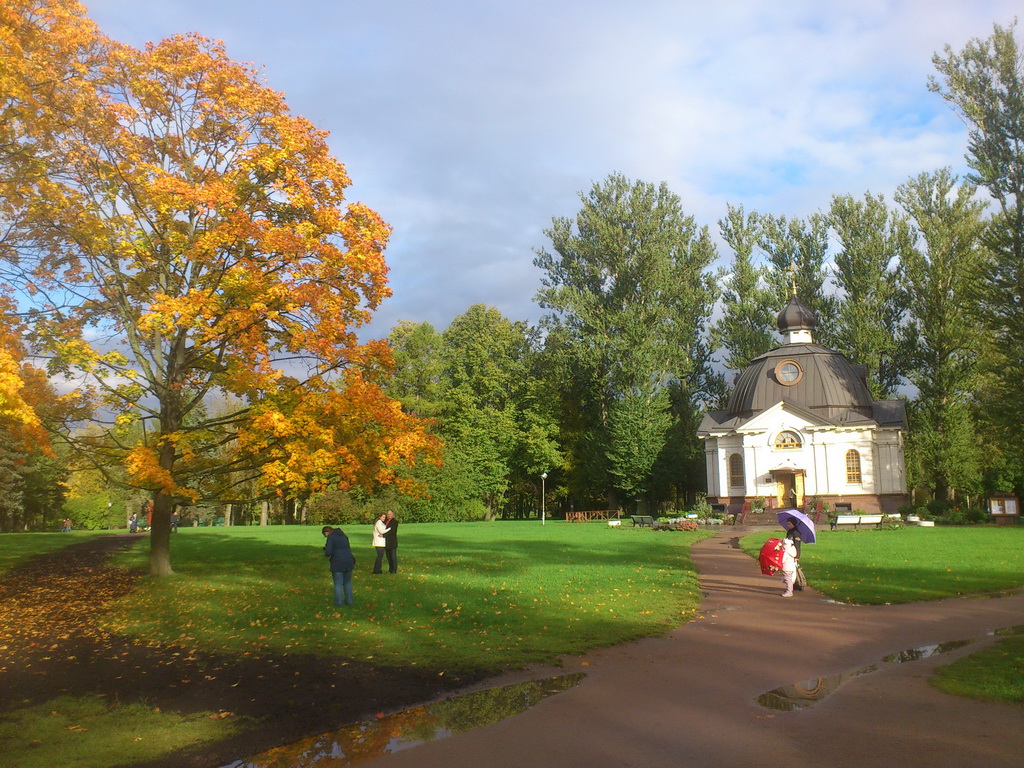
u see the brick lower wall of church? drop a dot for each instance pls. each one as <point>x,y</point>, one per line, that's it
<point>870,504</point>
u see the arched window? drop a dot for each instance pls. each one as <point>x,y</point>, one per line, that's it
<point>787,441</point>
<point>736,475</point>
<point>852,467</point>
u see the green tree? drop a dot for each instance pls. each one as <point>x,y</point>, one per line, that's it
<point>491,421</point>
<point>417,378</point>
<point>11,485</point>
<point>873,240</point>
<point>44,478</point>
<point>943,335</point>
<point>745,330</point>
<point>984,83</point>
<point>629,298</point>
<point>637,427</point>
<point>797,250</point>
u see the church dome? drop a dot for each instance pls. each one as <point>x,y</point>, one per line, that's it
<point>796,316</point>
<point>803,373</point>
<point>809,375</point>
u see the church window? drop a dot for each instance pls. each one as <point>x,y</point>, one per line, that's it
<point>787,441</point>
<point>853,467</point>
<point>736,474</point>
<point>788,373</point>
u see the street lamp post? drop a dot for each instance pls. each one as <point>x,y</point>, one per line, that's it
<point>543,477</point>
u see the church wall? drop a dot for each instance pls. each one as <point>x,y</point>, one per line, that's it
<point>822,456</point>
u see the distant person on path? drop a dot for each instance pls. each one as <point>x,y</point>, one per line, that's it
<point>133,523</point>
<point>391,541</point>
<point>380,532</point>
<point>788,566</point>
<point>174,522</point>
<point>343,562</point>
<point>793,534</point>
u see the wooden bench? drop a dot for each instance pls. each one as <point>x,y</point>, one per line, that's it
<point>856,520</point>
<point>642,520</point>
<point>585,516</point>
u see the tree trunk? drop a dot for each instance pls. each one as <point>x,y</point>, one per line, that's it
<point>265,513</point>
<point>160,536</point>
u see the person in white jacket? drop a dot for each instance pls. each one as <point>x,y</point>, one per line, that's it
<point>380,530</point>
<point>788,566</point>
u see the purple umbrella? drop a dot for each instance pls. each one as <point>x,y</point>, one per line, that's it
<point>804,524</point>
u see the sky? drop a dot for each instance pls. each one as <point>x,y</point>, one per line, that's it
<point>469,124</point>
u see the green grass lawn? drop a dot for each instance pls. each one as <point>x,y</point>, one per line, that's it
<point>492,596</point>
<point>477,596</point>
<point>15,547</point>
<point>995,673</point>
<point>90,732</point>
<point>911,564</point>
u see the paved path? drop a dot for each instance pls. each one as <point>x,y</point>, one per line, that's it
<point>688,699</point>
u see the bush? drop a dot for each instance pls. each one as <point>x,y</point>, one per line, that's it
<point>921,510</point>
<point>953,514</point>
<point>701,507</point>
<point>956,515</point>
<point>352,508</point>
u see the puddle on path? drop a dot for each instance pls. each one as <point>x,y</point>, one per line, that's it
<point>809,692</point>
<point>368,740</point>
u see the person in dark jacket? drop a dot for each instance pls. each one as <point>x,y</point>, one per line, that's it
<point>343,562</point>
<point>391,541</point>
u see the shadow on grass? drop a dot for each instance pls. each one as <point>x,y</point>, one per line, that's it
<point>466,602</point>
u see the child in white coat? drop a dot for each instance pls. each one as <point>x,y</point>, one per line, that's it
<point>788,566</point>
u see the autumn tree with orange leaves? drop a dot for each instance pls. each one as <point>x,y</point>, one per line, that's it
<point>26,399</point>
<point>183,237</point>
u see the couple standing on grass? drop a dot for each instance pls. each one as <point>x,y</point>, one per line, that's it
<point>343,562</point>
<point>385,541</point>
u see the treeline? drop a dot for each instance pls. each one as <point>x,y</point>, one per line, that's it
<point>201,297</point>
<point>926,290</point>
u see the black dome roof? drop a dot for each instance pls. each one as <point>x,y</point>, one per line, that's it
<point>804,373</point>
<point>796,316</point>
<point>809,375</point>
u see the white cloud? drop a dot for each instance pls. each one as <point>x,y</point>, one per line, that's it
<point>468,125</point>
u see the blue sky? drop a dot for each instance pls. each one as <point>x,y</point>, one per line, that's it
<point>469,124</point>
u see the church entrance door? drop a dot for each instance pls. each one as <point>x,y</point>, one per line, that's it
<point>789,489</point>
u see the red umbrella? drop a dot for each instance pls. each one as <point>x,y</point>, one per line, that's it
<point>771,557</point>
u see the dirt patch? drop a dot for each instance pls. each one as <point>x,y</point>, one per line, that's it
<point>50,645</point>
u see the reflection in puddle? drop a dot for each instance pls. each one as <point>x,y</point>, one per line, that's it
<point>809,692</point>
<point>925,652</point>
<point>369,740</point>
<point>804,694</point>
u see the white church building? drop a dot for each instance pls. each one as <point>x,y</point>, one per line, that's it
<point>801,426</point>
